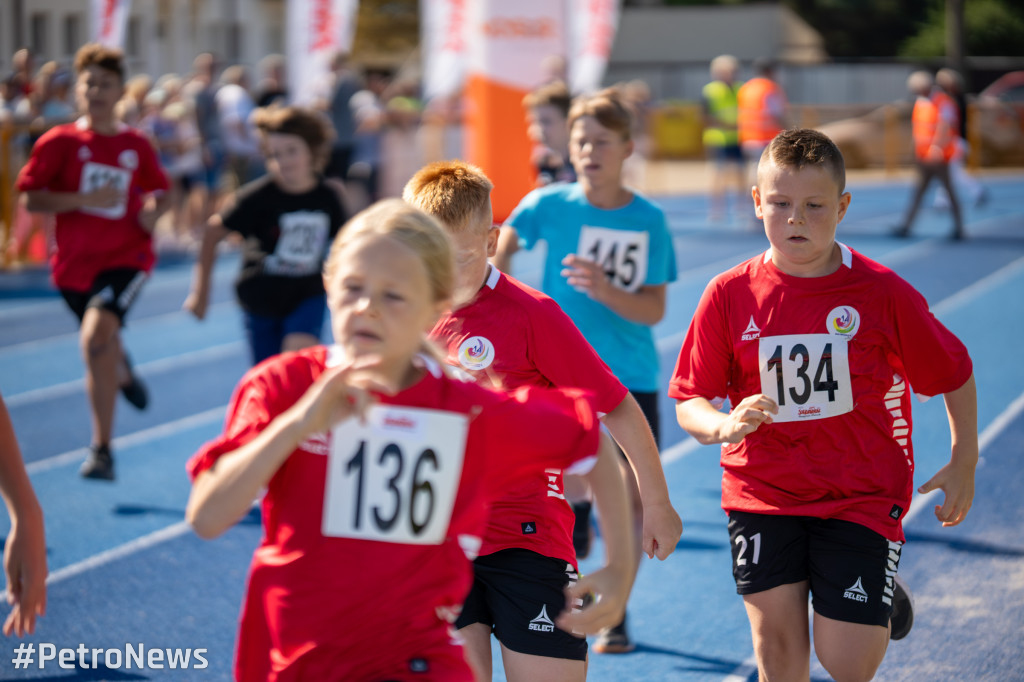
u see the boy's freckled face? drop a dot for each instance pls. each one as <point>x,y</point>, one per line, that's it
<point>801,209</point>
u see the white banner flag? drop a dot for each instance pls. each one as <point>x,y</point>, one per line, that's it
<point>594,23</point>
<point>443,34</point>
<point>316,31</point>
<point>109,18</point>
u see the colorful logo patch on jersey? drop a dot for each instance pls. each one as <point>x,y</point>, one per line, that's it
<point>84,154</point>
<point>128,159</point>
<point>476,352</point>
<point>843,321</point>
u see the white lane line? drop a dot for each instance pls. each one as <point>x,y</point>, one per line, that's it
<point>982,286</point>
<point>685,447</point>
<point>174,362</point>
<point>743,671</point>
<point>928,500</point>
<point>131,439</point>
<point>140,324</point>
<point>127,549</point>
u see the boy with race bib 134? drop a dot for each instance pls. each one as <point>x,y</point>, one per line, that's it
<point>818,350</point>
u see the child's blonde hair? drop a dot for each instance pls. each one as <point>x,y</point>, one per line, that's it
<point>395,219</point>
<point>608,107</point>
<point>454,192</point>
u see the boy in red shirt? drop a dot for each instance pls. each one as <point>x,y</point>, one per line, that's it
<point>508,335</point>
<point>104,182</point>
<point>818,349</point>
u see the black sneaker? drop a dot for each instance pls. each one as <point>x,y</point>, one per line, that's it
<point>902,618</point>
<point>134,391</point>
<point>614,640</point>
<point>581,531</point>
<point>99,464</point>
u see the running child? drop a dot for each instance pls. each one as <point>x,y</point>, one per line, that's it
<point>287,219</point>
<point>105,184</point>
<point>508,335</point>
<point>379,468</point>
<point>609,260</point>
<point>818,350</point>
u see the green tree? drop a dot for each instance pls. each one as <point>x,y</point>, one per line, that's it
<point>991,27</point>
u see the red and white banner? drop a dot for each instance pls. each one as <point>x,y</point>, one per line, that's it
<point>594,23</point>
<point>109,19</point>
<point>443,33</point>
<point>316,31</point>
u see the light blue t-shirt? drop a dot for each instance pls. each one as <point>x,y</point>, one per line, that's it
<point>633,245</point>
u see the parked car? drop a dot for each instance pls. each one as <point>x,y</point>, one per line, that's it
<point>882,136</point>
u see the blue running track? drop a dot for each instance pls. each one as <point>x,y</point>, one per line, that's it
<point>126,570</point>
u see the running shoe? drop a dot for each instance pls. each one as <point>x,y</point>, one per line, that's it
<point>581,531</point>
<point>614,640</point>
<point>134,391</point>
<point>902,618</point>
<point>99,464</point>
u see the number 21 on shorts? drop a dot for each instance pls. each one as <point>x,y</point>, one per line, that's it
<point>394,478</point>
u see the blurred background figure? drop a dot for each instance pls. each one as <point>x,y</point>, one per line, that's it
<point>721,138</point>
<point>272,87</point>
<point>335,99</point>
<point>235,107</point>
<point>363,179</point>
<point>202,90</point>
<point>547,114</point>
<point>934,147</point>
<point>950,86</point>
<point>761,114</point>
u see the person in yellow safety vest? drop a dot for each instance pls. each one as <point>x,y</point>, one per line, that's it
<point>761,105</point>
<point>934,146</point>
<point>721,140</point>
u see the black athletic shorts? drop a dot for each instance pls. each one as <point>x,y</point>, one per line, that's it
<point>851,568</point>
<point>113,290</point>
<point>519,593</point>
<point>648,401</point>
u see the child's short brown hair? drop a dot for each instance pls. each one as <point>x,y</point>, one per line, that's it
<point>310,125</point>
<point>801,147</point>
<point>454,192</point>
<point>554,94</point>
<point>95,54</point>
<point>608,108</point>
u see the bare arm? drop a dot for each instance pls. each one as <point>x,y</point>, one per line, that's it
<point>700,419</point>
<point>508,245</point>
<point>25,548</point>
<point>45,201</point>
<point>611,584</point>
<point>198,299</point>
<point>222,494</point>
<point>645,306</point>
<point>956,479</point>
<point>662,526</point>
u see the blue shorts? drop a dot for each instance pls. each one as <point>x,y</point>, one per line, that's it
<point>266,334</point>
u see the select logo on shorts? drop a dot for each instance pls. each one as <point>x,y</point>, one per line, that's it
<point>856,592</point>
<point>476,352</point>
<point>843,321</point>
<point>542,623</point>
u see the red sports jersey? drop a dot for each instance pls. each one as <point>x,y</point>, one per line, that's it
<point>837,353</point>
<point>74,158</point>
<point>367,530</point>
<point>510,336</point>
